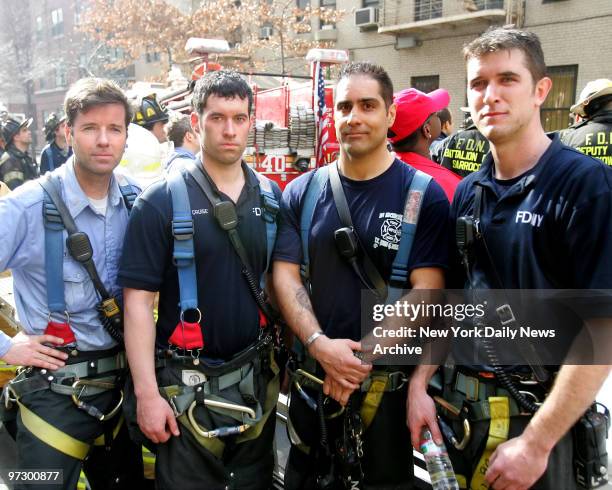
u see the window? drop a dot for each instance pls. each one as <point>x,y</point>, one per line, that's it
<point>39,28</point>
<point>301,4</point>
<point>485,4</point>
<point>60,76</point>
<point>78,11</point>
<point>370,3</point>
<point>57,22</point>
<point>152,57</point>
<point>555,111</point>
<point>425,84</point>
<point>330,4</point>
<point>427,9</point>
<point>42,83</point>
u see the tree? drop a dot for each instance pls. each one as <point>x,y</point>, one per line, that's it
<point>16,43</point>
<point>141,26</point>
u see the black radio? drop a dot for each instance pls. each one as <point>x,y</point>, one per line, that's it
<point>590,456</point>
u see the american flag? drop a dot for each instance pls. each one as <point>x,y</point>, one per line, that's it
<point>322,122</point>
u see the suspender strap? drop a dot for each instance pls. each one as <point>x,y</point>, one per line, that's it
<point>54,256</point>
<point>229,223</point>
<point>128,192</point>
<point>182,231</point>
<point>51,187</point>
<point>313,193</point>
<point>270,207</point>
<point>374,277</point>
<point>412,210</point>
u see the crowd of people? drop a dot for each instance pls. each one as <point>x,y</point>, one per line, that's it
<point>152,317</point>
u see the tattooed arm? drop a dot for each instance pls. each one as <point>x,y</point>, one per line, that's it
<point>344,371</point>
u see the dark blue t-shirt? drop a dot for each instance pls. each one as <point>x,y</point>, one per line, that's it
<point>52,157</point>
<point>376,207</point>
<point>550,228</point>
<point>230,317</point>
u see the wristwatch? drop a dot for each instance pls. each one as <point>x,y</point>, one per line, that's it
<point>312,338</point>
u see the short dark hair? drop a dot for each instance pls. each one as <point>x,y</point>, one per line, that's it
<point>222,83</point>
<point>90,92</point>
<point>506,38</point>
<point>445,116</point>
<point>410,141</point>
<point>177,127</point>
<point>374,71</point>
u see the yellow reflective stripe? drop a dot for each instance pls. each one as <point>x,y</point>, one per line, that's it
<point>148,460</point>
<point>499,407</point>
<point>82,483</point>
<point>372,400</point>
<point>51,436</point>
<point>13,175</point>
<point>461,481</point>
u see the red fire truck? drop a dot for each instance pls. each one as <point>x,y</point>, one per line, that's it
<point>284,140</point>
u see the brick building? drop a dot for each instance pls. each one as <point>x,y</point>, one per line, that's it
<point>419,41</point>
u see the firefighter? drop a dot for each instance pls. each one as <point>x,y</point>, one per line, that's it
<point>446,129</point>
<point>69,395</point>
<point>367,445</point>
<point>57,151</point>
<point>592,135</point>
<point>202,238</point>
<point>152,116</point>
<point>417,123</point>
<point>183,138</point>
<point>465,150</point>
<point>537,215</point>
<point>16,165</point>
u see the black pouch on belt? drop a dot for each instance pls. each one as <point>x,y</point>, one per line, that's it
<point>590,456</point>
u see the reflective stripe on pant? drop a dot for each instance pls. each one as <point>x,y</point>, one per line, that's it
<point>559,473</point>
<point>119,468</point>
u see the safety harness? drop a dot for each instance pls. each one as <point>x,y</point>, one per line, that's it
<point>228,390</point>
<point>80,379</point>
<point>379,381</point>
<point>492,397</point>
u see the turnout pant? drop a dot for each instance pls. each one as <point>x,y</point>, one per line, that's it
<point>559,474</point>
<point>242,461</point>
<point>387,461</point>
<point>118,466</point>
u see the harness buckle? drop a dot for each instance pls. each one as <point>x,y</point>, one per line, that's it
<point>505,314</point>
<point>182,229</point>
<point>90,409</point>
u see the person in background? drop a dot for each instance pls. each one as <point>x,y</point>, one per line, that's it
<point>57,151</point>
<point>416,124</point>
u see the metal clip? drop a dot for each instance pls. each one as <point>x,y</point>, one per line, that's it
<point>221,431</point>
<point>83,384</point>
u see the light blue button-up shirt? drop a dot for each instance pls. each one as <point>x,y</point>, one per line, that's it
<point>178,159</point>
<point>22,249</point>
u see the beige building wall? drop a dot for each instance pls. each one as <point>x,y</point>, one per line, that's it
<point>573,32</point>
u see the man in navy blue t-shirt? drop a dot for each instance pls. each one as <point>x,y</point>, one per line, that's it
<point>209,347</point>
<point>544,214</point>
<point>327,320</point>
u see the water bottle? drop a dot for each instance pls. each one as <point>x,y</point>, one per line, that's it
<point>438,463</point>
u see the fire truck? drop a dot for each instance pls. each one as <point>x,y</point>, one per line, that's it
<point>284,141</point>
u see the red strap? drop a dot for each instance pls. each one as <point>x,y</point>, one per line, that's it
<point>263,321</point>
<point>61,330</point>
<point>187,336</point>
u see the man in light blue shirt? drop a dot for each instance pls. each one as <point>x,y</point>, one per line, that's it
<point>185,142</point>
<point>66,350</point>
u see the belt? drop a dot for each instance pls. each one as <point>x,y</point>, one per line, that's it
<point>61,380</point>
<point>476,391</point>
